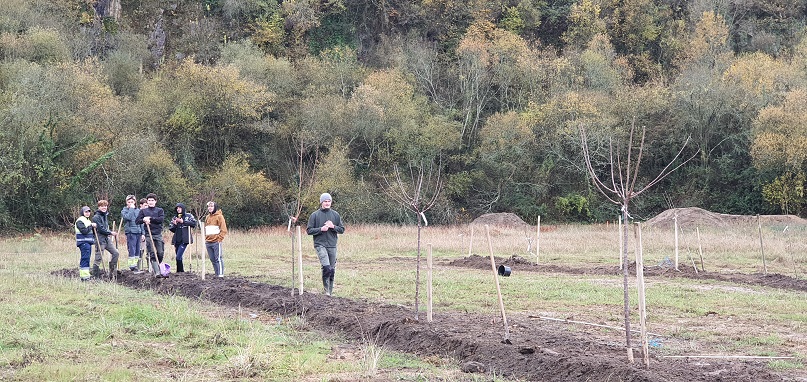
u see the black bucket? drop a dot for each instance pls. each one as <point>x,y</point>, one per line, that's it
<point>504,271</point>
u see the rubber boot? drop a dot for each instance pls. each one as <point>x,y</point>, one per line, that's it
<point>325,281</point>
<point>95,272</point>
<point>155,268</point>
<point>330,284</point>
<point>113,270</point>
<point>180,266</point>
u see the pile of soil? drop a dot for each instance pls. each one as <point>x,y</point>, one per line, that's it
<point>694,216</point>
<point>533,350</point>
<point>501,219</point>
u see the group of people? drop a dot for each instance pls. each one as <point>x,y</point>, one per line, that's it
<point>145,225</point>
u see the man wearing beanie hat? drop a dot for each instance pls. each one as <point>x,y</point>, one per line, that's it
<point>325,224</point>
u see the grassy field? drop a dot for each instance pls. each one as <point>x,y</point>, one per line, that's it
<point>62,329</point>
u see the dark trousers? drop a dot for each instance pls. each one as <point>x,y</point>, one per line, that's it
<point>86,252</point>
<point>160,250</point>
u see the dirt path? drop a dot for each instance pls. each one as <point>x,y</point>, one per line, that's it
<point>538,352</point>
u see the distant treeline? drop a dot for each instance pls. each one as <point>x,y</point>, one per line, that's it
<point>262,105</point>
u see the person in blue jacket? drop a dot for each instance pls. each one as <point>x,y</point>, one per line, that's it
<point>133,232</point>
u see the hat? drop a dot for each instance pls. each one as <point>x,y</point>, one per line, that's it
<point>324,197</point>
<point>85,209</point>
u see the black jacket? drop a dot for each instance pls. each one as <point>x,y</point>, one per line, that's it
<point>182,231</point>
<point>157,216</point>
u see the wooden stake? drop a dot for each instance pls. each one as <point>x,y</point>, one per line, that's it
<point>700,247</point>
<point>761,247</point>
<point>300,257</point>
<point>429,289</point>
<point>538,241</point>
<point>498,288</point>
<point>675,225</point>
<point>471,240</point>
<point>293,258</point>
<point>641,288</point>
<point>204,262</point>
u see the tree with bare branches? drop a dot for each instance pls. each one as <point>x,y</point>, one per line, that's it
<point>418,193</point>
<point>621,188</point>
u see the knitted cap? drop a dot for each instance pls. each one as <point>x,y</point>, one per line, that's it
<point>85,209</point>
<point>324,197</point>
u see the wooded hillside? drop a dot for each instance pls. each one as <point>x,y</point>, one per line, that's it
<point>259,104</point>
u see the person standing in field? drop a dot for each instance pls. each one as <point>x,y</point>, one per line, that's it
<point>133,232</point>
<point>85,238</point>
<point>101,220</point>
<point>143,205</point>
<point>181,224</point>
<point>325,224</point>
<point>152,218</point>
<point>215,230</point>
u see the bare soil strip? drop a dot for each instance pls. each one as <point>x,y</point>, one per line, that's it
<point>538,351</point>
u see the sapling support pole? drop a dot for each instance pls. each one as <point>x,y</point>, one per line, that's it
<point>641,289</point>
<point>498,288</point>
<point>675,228</point>
<point>293,259</point>
<point>761,247</point>
<point>538,241</point>
<point>429,289</point>
<point>300,257</point>
<point>471,240</point>
<point>204,262</point>
<point>700,247</point>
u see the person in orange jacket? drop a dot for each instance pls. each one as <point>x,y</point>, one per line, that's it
<point>215,231</point>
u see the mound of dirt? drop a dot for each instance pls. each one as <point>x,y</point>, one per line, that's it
<point>693,216</point>
<point>501,219</point>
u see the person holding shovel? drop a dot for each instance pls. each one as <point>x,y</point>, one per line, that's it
<point>85,238</point>
<point>181,225</point>
<point>152,218</point>
<point>100,218</point>
<point>132,231</point>
<point>215,230</point>
<point>325,224</point>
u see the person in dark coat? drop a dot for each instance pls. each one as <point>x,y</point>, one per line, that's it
<point>105,243</point>
<point>181,224</point>
<point>324,224</point>
<point>152,218</point>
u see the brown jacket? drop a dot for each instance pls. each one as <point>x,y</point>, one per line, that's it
<point>215,222</point>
